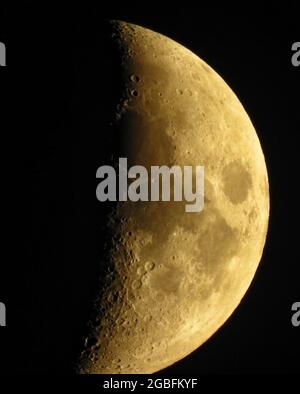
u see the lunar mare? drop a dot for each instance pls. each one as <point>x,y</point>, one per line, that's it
<point>174,278</point>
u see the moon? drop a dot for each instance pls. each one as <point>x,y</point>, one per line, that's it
<point>173,278</point>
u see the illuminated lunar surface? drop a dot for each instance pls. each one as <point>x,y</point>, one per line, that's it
<point>174,277</point>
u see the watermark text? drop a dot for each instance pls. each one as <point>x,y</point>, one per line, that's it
<point>2,315</point>
<point>135,184</point>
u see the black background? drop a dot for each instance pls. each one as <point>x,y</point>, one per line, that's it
<point>55,92</point>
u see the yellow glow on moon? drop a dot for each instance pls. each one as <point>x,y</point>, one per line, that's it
<point>178,276</point>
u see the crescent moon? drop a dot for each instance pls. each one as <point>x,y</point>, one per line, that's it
<point>175,277</point>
